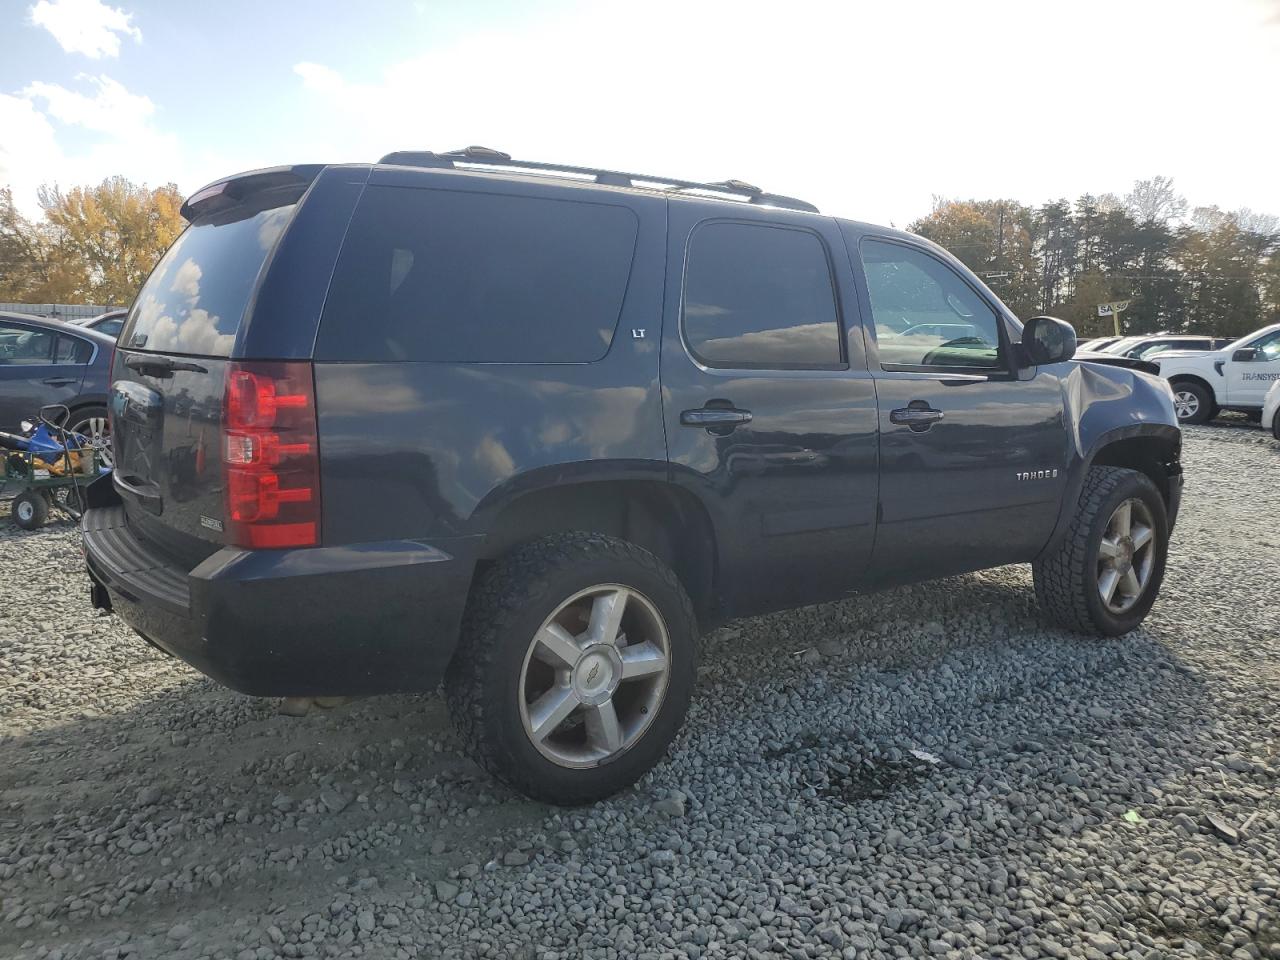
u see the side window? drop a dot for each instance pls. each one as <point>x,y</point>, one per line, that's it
<point>925,315</point>
<point>1269,345</point>
<point>72,350</point>
<point>111,327</point>
<point>447,275</point>
<point>23,345</point>
<point>759,296</point>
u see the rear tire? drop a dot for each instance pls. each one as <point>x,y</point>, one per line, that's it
<point>1275,425</point>
<point>1107,588</point>
<point>93,424</point>
<point>30,509</point>
<point>552,692</point>
<point>1192,402</point>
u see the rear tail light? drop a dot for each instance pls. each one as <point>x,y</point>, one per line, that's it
<point>270,455</point>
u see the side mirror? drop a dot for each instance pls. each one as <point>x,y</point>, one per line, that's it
<point>1048,340</point>
<point>1245,354</point>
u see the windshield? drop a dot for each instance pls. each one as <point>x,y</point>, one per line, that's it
<point>194,299</point>
<point>1123,344</point>
<point>1266,339</point>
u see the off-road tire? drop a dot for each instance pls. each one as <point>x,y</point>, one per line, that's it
<point>1066,581</point>
<point>1207,409</point>
<point>30,509</point>
<point>507,606</point>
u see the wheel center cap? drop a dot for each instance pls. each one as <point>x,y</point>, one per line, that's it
<point>1125,560</point>
<point>596,674</point>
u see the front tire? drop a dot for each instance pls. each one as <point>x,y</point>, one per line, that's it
<point>1275,425</point>
<point>575,667</point>
<point>1192,402</point>
<point>1105,575</point>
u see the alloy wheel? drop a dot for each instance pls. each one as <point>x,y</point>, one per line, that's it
<point>1126,556</point>
<point>594,676</point>
<point>1185,404</point>
<point>98,431</point>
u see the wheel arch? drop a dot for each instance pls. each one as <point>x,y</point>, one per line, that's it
<point>1153,449</point>
<point>1195,378</point>
<point>668,521</point>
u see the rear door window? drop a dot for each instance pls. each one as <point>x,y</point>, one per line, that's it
<point>195,298</point>
<point>24,345</point>
<point>760,296</point>
<point>443,275</point>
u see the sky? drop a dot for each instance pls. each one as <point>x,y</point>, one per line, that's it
<point>868,109</point>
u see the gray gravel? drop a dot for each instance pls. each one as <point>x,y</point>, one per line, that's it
<point>923,772</point>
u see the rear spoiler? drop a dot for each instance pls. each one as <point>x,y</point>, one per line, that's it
<point>231,191</point>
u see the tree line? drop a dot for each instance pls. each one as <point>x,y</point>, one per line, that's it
<point>92,244</point>
<point>1205,271</point>
<point>1200,271</point>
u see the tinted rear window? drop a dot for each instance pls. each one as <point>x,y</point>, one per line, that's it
<point>453,276</point>
<point>760,296</point>
<point>196,296</point>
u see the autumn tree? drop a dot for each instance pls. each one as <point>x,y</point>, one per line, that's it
<point>93,244</point>
<point>993,239</point>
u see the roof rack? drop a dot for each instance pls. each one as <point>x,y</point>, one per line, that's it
<point>484,156</point>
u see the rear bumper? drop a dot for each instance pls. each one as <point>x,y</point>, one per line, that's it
<point>323,621</point>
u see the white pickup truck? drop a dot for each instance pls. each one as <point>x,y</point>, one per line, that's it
<point>1237,377</point>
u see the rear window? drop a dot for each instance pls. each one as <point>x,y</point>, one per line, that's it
<point>196,296</point>
<point>450,276</point>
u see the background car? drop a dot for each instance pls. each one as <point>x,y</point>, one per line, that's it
<point>1098,343</point>
<point>47,361</point>
<point>1236,377</point>
<point>1141,347</point>
<point>109,323</point>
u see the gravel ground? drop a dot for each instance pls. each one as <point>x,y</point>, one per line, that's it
<point>923,772</point>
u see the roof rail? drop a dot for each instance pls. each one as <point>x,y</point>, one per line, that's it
<point>484,156</point>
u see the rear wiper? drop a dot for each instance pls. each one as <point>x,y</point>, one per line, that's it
<point>162,366</point>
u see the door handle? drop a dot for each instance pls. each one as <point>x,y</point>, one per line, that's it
<point>58,381</point>
<point>917,415</point>
<point>716,419</point>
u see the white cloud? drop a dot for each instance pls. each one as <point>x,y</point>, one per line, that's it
<point>124,139</point>
<point>85,26</point>
<point>109,109</point>
<point>865,109</point>
<point>186,280</point>
<point>318,77</point>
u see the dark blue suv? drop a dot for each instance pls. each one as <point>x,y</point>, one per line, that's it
<point>527,429</point>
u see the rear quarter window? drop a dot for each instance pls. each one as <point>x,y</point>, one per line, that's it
<point>440,275</point>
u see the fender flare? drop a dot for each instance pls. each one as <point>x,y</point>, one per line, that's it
<point>1080,467</point>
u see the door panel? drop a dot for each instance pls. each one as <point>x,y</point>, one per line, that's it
<point>1249,380</point>
<point>978,488</point>
<point>30,377</point>
<point>792,489</point>
<point>972,457</point>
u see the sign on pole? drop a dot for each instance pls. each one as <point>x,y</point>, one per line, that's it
<point>1113,310</point>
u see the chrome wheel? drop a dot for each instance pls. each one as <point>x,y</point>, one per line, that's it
<point>1126,556</point>
<point>25,511</point>
<point>1185,404</point>
<point>98,432</point>
<point>594,676</point>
